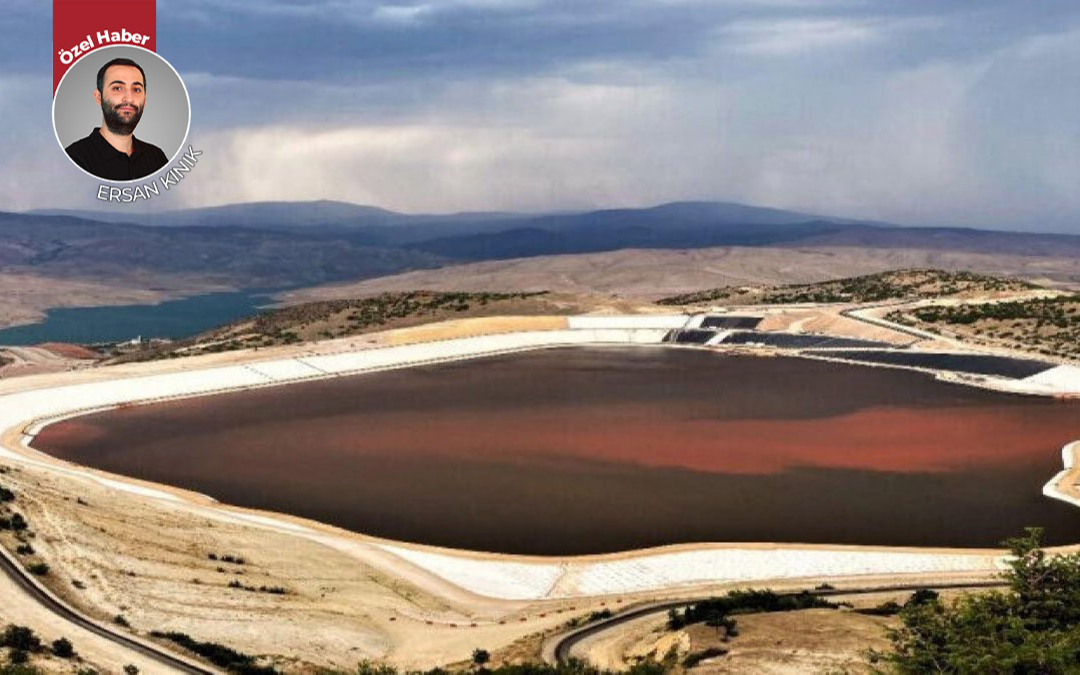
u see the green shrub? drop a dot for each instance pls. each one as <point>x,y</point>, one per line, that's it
<point>695,658</point>
<point>63,648</point>
<point>481,656</point>
<point>599,616</point>
<point>219,655</point>
<point>889,608</point>
<point>744,602</point>
<point>1034,627</point>
<point>18,657</point>
<point>20,638</point>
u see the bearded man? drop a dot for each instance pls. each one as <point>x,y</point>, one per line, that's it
<point>111,151</point>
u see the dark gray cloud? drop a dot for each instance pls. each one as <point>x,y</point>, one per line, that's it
<point>349,41</point>
<point>923,111</point>
<point>335,40</point>
<point>364,40</point>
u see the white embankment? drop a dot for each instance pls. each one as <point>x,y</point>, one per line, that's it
<point>1052,488</point>
<point>44,406</point>
<point>494,576</point>
<point>660,569</point>
<point>1062,380</point>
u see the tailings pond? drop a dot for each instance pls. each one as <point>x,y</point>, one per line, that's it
<point>594,450</point>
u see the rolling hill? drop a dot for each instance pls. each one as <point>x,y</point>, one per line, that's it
<point>285,244</point>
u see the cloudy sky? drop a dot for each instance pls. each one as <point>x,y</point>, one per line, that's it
<point>912,111</point>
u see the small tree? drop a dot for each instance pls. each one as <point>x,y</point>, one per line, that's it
<point>373,668</point>
<point>675,619</point>
<point>480,657</point>
<point>1032,628</point>
<point>724,625</point>
<point>19,656</point>
<point>20,638</point>
<point>63,648</point>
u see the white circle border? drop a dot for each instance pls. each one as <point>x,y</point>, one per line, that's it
<point>187,97</point>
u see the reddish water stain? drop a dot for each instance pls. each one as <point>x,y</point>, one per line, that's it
<point>586,450</point>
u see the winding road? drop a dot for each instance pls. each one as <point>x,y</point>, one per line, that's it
<point>559,649</point>
<point>160,657</point>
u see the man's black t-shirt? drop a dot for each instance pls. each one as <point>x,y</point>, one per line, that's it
<point>94,154</point>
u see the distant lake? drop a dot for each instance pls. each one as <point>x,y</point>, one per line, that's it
<point>170,319</point>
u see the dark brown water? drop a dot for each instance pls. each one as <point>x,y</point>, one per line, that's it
<point>594,450</point>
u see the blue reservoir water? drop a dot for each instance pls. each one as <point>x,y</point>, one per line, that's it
<point>171,319</point>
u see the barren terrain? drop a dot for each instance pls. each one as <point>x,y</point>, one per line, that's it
<point>333,319</point>
<point>652,274</point>
<point>1050,325</point>
<point>803,641</point>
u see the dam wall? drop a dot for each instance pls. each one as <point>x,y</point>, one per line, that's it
<point>1056,487</point>
<point>631,321</point>
<point>44,406</point>
<point>683,566</point>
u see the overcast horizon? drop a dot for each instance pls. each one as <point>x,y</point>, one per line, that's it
<point>920,112</point>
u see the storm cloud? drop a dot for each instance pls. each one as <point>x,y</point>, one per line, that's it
<point>918,112</point>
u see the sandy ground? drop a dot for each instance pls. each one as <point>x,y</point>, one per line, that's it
<point>447,330</point>
<point>149,562</point>
<point>653,274</point>
<point>345,600</point>
<point>39,360</point>
<point>808,641</point>
<point>788,643</point>
<point>91,650</point>
<point>1067,483</point>
<point>829,320</point>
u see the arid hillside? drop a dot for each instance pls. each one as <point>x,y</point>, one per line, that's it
<point>331,319</point>
<point>893,285</point>
<point>654,274</point>
<point>1048,325</point>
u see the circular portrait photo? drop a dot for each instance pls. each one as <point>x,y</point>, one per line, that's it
<point>121,113</point>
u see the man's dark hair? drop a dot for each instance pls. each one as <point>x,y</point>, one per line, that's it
<point>117,62</point>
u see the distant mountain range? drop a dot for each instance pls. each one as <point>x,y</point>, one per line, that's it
<point>387,227</point>
<point>243,257</point>
<point>304,243</point>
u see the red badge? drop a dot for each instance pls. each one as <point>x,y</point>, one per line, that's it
<point>81,26</point>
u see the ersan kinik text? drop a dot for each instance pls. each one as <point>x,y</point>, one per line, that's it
<point>128,195</point>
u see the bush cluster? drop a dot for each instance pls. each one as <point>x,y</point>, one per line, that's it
<point>219,655</point>
<point>868,288</point>
<point>15,522</point>
<point>1033,627</point>
<point>744,602</point>
<point>572,666</point>
<point>21,642</point>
